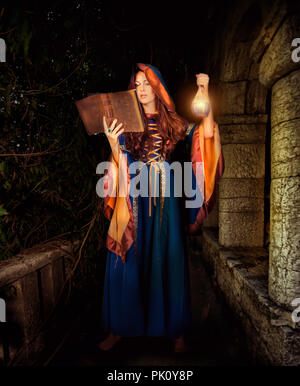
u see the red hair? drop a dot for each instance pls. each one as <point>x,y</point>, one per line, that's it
<point>169,124</point>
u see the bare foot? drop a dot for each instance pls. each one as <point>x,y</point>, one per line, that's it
<point>109,342</point>
<point>180,345</point>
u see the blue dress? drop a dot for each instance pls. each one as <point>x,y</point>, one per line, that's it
<point>150,293</point>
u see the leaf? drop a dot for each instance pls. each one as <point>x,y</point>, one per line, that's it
<point>3,211</point>
<point>2,165</point>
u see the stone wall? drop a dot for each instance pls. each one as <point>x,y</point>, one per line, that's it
<point>241,112</point>
<point>30,284</point>
<point>279,72</point>
<point>241,189</point>
<point>259,96</point>
<point>273,338</point>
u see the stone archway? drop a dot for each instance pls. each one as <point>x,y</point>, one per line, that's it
<point>259,286</point>
<point>279,73</point>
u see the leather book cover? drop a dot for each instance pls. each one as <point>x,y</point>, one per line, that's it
<point>122,105</point>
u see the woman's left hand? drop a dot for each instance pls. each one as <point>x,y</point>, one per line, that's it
<point>203,80</point>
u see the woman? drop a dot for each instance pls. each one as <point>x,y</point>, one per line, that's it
<point>147,291</point>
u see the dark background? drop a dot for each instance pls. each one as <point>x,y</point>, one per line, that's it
<point>57,53</point>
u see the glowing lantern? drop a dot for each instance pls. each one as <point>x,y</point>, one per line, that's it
<point>200,104</point>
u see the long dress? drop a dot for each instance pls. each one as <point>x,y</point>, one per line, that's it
<point>147,291</point>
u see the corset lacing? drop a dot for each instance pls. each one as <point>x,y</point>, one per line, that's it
<point>153,157</point>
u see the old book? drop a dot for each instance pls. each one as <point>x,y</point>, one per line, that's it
<point>123,106</point>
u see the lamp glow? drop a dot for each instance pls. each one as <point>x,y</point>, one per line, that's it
<point>201,108</point>
<point>201,104</point>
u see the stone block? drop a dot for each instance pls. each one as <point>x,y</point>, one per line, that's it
<point>58,276</point>
<point>286,99</point>
<point>256,97</point>
<point>244,229</point>
<point>241,188</point>
<point>24,314</point>
<point>285,149</point>
<point>242,133</point>
<point>277,60</point>
<point>242,119</point>
<point>274,13</point>
<point>47,286</point>
<point>244,160</point>
<point>32,259</point>
<point>235,66</point>
<point>284,271</point>
<point>233,98</point>
<point>241,204</point>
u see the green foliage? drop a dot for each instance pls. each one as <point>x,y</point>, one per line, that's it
<point>3,211</point>
<point>57,53</point>
<point>48,162</point>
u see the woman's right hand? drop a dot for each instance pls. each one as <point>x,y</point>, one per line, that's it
<point>112,133</point>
